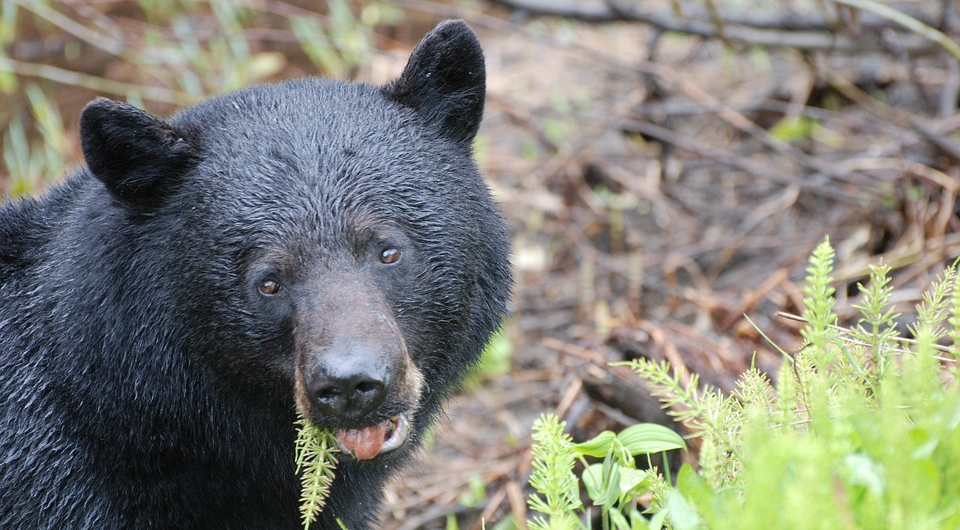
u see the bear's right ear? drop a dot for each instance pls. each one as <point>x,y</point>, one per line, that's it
<point>445,81</point>
<point>133,153</point>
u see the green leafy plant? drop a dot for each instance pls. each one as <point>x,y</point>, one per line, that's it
<point>316,450</point>
<point>613,485</point>
<point>553,462</point>
<point>859,430</point>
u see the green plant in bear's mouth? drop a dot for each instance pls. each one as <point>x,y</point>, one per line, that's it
<point>316,463</point>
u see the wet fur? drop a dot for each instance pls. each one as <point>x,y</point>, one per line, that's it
<point>143,381</point>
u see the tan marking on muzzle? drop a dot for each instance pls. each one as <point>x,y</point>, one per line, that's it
<point>413,382</point>
<point>412,386</point>
<point>300,387</point>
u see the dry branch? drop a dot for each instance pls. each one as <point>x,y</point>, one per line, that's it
<point>802,32</point>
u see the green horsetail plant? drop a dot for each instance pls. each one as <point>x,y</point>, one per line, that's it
<point>613,484</point>
<point>954,320</point>
<point>553,461</point>
<point>932,312</point>
<point>877,330</point>
<point>819,301</point>
<point>710,416</point>
<point>860,431</point>
<point>316,463</point>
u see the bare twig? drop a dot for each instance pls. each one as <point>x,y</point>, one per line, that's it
<point>725,157</point>
<point>907,21</point>
<point>810,32</point>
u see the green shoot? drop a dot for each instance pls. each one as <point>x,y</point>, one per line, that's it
<point>553,461</point>
<point>316,463</point>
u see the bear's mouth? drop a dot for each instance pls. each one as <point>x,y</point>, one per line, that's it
<point>368,442</point>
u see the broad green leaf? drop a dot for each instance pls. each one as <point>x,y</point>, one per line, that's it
<point>649,438</point>
<point>696,491</point>
<point>658,520</point>
<point>598,446</point>
<point>592,478</point>
<point>633,482</point>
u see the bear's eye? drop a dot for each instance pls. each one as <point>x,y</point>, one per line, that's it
<point>268,287</point>
<point>390,255</point>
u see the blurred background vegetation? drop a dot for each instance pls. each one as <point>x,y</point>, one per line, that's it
<point>161,55</point>
<point>666,167</point>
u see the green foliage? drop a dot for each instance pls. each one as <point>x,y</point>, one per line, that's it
<point>792,129</point>
<point>613,484</point>
<point>553,461</point>
<point>335,47</point>
<point>819,301</point>
<point>869,464</point>
<point>864,439</point>
<point>316,464</point>
<point>861,429</point>
<point>639,439</point>
<point>28,161</point>
<point>877,329</point>
<point>476,494</point>
<point>954,320</point>
<point>706,412</point>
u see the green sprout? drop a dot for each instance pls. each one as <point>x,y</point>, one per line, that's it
<point>316,463</point>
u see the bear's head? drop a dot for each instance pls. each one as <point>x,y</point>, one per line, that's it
<point>328,246</point>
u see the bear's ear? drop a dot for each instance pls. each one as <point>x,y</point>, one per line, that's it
<point>445,81</point>
<point>133,153</point>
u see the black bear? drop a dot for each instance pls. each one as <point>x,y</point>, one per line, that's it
<point>315,245</point>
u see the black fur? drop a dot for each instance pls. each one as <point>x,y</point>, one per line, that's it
<point>445,81</point>
<point>132,152</point>
<point>144,381</point>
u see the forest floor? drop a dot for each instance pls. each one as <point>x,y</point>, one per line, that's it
<point>663,189</point>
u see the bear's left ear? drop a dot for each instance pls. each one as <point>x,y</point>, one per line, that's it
<point>445,81</point>
<point>133,153</point>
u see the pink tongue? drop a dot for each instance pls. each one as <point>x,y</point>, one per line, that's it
<point>364,443</point>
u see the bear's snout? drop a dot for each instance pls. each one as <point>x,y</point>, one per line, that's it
<point>354,382</point>
<point>353,369</point>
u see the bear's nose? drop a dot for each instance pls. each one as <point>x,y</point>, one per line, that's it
<point>350,385</point>
<point>353,395</point>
